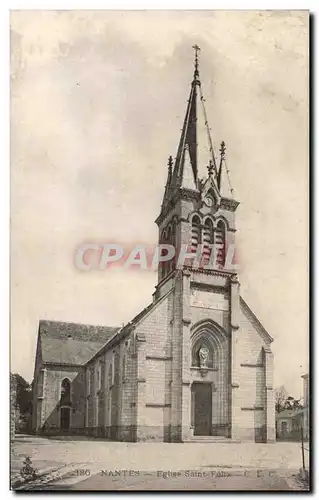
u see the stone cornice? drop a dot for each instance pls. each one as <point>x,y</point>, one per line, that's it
<point>159,358</point>
<point>71,365</point>
<point>209,369</point>
<point>229,204</point>
<point>252,408</point>
<point>214,272</point>
<point>186,321</point>
<point>188,194</point>
<point>158,405</point>
<point>252,365</point>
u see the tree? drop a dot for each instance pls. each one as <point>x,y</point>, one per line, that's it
<point>292,403</point>
<point>24,394</point>
<point>285,402</point>
<point>280,397</point>
<point>23,403</point>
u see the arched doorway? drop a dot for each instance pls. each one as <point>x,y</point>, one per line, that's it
<point>202,408</point>
<point>65,405</point>
<point>65,418</point>
<point>210,405</point>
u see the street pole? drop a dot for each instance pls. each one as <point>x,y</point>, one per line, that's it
<point>302,445</point>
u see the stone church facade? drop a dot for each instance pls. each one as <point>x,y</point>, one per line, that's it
<point>196,364</point>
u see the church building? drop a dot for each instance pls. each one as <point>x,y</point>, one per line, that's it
<point>196,364</point>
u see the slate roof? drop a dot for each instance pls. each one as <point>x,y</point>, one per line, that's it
<point>71,343</point>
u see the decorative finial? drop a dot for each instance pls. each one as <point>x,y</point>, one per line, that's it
<point>197,49</point>
<point>210,168</point>
<point>170,163</point>
<point>222,150</point>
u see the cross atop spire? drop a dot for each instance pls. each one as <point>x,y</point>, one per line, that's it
<point>196,72</point>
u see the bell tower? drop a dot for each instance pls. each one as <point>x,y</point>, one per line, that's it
<point>197,214</point>
<point>197,218</point>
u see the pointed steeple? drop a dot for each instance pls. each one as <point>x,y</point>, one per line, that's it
<point>222,151</point>
<point>223,177</point>
<point>169,180</point>
<point>188,180</point>
<point>188,140</point>
<point>193,153</point>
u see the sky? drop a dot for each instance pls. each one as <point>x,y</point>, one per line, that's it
<point>97,104</point>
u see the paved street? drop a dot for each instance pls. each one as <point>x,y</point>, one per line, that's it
<point>78,464</point>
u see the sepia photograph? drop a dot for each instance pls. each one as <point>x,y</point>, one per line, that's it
<point>159,250</point>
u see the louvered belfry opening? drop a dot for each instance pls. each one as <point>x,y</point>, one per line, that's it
<point>195,234</point>
<point>220,241</point>
<point>208,239</point>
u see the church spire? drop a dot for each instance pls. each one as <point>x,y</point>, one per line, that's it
<point>188,141</point>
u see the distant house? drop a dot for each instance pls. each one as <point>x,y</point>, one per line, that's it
<point>288,424</point>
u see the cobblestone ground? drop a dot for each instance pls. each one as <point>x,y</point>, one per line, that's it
<point>70,458</point>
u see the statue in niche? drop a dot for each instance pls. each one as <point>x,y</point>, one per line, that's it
<point>203,354</point>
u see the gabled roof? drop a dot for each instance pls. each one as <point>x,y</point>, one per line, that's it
<point>71,343</point>
<point>255,320</point>
<point>76,331</point>
<point>289,413</point>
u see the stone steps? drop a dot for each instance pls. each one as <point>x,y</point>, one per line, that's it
<point>208,439</point>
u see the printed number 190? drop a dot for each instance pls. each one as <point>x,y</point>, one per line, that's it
<point>83,472</point>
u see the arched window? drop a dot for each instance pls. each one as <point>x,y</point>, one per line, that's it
<point>208,239</point>
<point>65,392</point>
<point>88,381</point>
<point>220,239</point>
<point>195,233</point>
<point>110,376</point>
<point>99,375</point>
